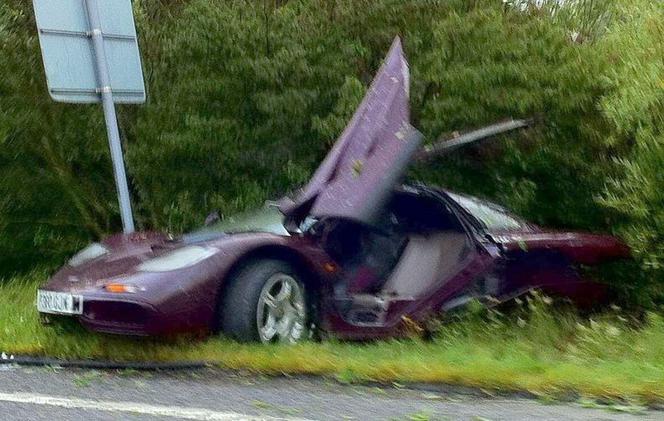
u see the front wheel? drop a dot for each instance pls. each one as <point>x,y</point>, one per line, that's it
<point>265,301</point>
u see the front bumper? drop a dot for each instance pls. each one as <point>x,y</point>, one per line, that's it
<point>116,316</point>
<point>120,317</point>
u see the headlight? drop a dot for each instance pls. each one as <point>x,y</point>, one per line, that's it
<point>178,259</point>
<point>91,252</point>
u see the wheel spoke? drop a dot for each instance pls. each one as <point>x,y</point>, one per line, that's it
<point>296,330</point>
<point>269,329</point>
<point>270,301</point>
<point>285,327</point>
<point>299,310</point>
<point>284,293</point>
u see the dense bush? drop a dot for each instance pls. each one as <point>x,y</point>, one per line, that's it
<point>634,108</point>
<point>54,166</point>
<point>246,97</point>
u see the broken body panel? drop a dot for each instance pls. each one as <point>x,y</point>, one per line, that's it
<point>356,178</point>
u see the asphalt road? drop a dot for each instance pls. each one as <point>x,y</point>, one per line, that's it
<point>59,394</point>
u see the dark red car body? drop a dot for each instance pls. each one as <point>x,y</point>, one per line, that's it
<point>439,270</point>
<point>187,300</point>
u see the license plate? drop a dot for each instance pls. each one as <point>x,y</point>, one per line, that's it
<point>59,303</point>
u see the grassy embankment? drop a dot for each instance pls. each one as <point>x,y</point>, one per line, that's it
<point>535,348</point>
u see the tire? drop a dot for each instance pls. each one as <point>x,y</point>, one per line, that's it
<point>258,307</point>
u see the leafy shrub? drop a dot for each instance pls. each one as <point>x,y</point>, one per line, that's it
<point>635,110</point>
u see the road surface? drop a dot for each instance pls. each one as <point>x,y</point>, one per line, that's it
<point>70,394</point>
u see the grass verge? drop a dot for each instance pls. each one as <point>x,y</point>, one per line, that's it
<point>535,348</point>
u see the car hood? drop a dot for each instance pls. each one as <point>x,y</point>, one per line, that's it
<point>127,251</point>
<point>357,177</point>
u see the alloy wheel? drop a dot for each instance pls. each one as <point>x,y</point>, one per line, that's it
<point>281,312</point>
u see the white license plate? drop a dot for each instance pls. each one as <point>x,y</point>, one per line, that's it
<point>59,303</point>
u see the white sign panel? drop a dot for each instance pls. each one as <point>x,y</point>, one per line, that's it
<point>69,55</point>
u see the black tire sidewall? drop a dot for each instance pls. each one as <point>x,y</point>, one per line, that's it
<point>238,310</point>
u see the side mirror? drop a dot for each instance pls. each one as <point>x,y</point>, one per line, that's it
<point>212,218</point>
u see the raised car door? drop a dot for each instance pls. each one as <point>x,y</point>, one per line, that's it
<point>357,177</point>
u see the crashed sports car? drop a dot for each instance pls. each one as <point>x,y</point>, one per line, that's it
<point>355,254</point>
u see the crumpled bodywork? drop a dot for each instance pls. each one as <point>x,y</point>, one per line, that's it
<point>357,177</point>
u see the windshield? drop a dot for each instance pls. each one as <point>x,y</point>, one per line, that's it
<point>267,219</point>
<point>492,216</point>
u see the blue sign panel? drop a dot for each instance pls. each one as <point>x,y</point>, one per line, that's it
<point>65,35</point>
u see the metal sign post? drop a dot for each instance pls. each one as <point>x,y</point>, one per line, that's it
<point>109,114</point>
<point>90,53</point>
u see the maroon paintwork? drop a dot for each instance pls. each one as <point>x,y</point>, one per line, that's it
<point>356,178</point>
<point>186,300</point>
<point>438,270</point>
<point>167,302</point>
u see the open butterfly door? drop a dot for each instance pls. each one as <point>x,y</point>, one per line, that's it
<point>357,177</point>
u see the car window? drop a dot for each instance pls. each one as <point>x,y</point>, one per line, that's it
<point>492,216</point>
<point>267,219</point>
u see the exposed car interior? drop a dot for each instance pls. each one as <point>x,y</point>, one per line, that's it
<point>416,246</point>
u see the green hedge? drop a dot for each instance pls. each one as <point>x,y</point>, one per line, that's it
<point>244,98</point>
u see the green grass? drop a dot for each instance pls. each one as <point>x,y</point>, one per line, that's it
<point>534,348</point>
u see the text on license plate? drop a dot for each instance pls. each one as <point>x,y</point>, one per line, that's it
<point>59,302</point>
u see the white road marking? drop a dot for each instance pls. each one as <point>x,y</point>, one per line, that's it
<point>135,408</point>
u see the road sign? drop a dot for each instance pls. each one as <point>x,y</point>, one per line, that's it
<point>65,36</point>
<point>90,53</point>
